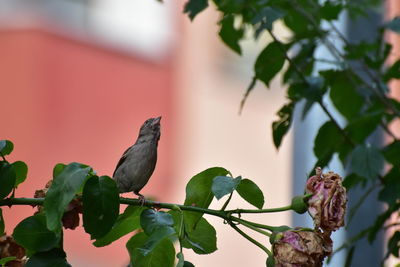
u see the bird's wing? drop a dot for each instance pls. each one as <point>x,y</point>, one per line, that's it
<point>121,160</point>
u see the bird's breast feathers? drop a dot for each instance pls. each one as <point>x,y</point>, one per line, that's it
<point>136,169</point>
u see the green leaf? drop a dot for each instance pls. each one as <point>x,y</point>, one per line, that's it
<point>267,16</point>
<point>52,258</point>
<point>188,264</point>
<point>151,219</point>
<point>279,229</point>
<point>277,233</point>
<point>343,93</point>
<point>352,180</point>
<point>203,239</point>
<point>390,193</point>
<point>281,126</point>
<point>394,244</point>
<point>250,192</point>
<point>33,234</point>
<point>3,261</point>
<point>126,222</point>
<point>62,191</point>
<point>177,217</point>
<point>391,153</point>
<point>349,257</point>
<point>162,255</point>
<point>229,34</point>
<point>326,143</point>
<point>270,261</point>
<point>330,11</point>
<point>366,161</point>
<point>181,260</point>
<point>21,171</point>
<point>304,60</point>
<point>380,221</point>
<point>199,194</point>
<point>394,25</point>
<point>159,234</point>
<point>194,7</point>
<point>269,62</point>
<point>312,91</point>
<point>296,22</point>
<point>100,205</point>
<point>393,72</point>
<point>6,147</point>
<point>363,126</point>
<point>7,179</point>
<point>223,185</point>
<point>58,169</point>
<point>2,224</point>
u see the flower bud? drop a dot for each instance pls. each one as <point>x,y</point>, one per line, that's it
<point>299,204</point>
<point>301,249</point>
<point>327,204</point>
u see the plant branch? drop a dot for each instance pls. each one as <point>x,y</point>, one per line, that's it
<point>251,226</point>
<point>4,159</point>
<point>356,207</point>
<point>226,215</point>
<point>378,90</point>
<point>227,202</point>
<point>280,209</point>
<point>321,104</point>
<point>258,225</point>
<point>252,240</point>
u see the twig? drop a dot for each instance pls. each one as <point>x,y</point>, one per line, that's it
<point>252,240</point>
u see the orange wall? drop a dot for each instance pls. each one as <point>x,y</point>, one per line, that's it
<point>64,100</point>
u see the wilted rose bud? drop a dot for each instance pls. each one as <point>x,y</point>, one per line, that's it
<point>70,218</point>
<point>41,193</point>
<point>301,249</point>
<point>8,248</point>
<point>327,205</point>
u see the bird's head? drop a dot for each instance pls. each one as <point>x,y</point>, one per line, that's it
<point>150,130</point>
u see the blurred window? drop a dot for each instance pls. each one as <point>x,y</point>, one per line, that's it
<point>144,26</point>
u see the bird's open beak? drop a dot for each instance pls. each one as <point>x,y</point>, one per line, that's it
<point>156,121</point>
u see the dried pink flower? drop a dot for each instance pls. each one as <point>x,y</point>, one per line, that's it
<point>301,249</point>
<point>9,248</point>
<point>327,204</point>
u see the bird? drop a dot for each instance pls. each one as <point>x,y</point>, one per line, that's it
<point>138,162</point>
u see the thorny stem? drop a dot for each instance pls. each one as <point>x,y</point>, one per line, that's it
<point>356,207</point>
<point>285,208</point>
<point>322,105</point>
<point>251,226</point>
<point>391,225</point>
<point>227,202</point>
<point>181,231</point>
<point>4,159</point>
<point>226,215</point>
<point>130,201</point>
<point>252,240</point>
<point>258,225</point>
<point>338,55</point>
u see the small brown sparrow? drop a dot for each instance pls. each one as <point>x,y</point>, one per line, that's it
<point>137,164</point>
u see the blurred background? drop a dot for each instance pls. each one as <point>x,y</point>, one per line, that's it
<point>79,77</point>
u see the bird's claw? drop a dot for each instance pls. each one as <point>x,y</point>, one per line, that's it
<point>142,200</point>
